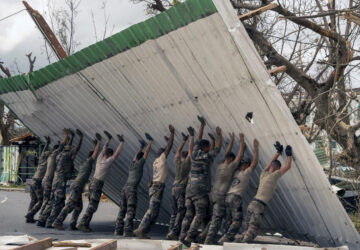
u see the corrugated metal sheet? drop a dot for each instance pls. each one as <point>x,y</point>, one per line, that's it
<point>208,66</point>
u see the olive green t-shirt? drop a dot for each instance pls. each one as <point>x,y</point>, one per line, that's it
<point>182,169</point>
<point>267,185</point>
<point>223,177</point>
<point>240,181</point>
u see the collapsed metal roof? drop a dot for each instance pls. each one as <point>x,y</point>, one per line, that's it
<point>195,58</point>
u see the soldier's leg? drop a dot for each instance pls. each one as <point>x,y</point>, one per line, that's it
<point>218,215</point>
<point>189,216</point>
<point>174,209</point>
<point>201,205</point>
<point>33,198</point>
<point>46,194</point>
<point>47,209</point>
<point>75,215</point>
<point>70,205</point>
<point>58,204</point>
<point>131,212</point>
<point>181,210</point>
<point>39,199</point>
<point>255,223</point>
<point>119,224</point>
<point>249,215</point>
<point>236,214</point>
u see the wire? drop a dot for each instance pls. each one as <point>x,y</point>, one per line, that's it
<point>11,15</point>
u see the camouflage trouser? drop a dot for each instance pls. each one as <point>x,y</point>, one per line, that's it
<point>46,186</point>
<point>74,204</point>
<point>58,202</point>
<point>178,208</point>
<point>155,192</point>
<point>219,214</point>
<point>36,196</point>
<point>233,215</point>
<point>196,213</point>
<point>127,211</point>
<point>95,191</point>
<point>253,220</point>
<point>47,207</point>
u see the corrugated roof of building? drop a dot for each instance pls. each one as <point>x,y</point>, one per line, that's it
<point>195,58</point>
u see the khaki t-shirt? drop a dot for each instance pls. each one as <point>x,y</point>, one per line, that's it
<point>160,169</point>
<point>267,186</point>
<point>240,181</point>
<point>223,177</point>
<point>182,169</point>
<point>102,167</point>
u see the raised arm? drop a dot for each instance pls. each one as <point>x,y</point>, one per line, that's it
<point>71,137</point>
<point>202,126</point>
<point>106,145</point>
<point>212,141</point>
<point>148,147</point>
<point>66,137</point>
<point>287,166</point>
<point>171,140</point>
<point>279,148</point>
<point>256,155</point>
<point>242,147</point>
<point>142,146</point>
<point>46,147</point>
<point>219,138</point>
<point>231,143</point>
<point>119,148</point>
<point>78,145</point>
<point>180,148</point>
<point>191,141</point>
<point>97,146</point>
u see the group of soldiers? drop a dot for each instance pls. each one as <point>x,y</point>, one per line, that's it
<point>196,204</point>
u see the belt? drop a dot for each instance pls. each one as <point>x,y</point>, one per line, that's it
<point>260,201</point>
<point>156,183</point>
<point>179,185</point>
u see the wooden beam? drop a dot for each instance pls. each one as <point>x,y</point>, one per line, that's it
<point>258,11</point>
<point>109,245</point>
<point>276,70</point>
<point>178,246</point>
<point>46,31</point>
<point>70,244</point>
<point>37,245</point>
<point>194,247</point>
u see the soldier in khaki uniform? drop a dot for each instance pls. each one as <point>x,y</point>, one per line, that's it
<point>182,163</point>
<point>156,189</point>
<point>36,191</point>
<point>128,197</point>
<point>233,201</point>
<point>223,177</point>
<point>267,187</point>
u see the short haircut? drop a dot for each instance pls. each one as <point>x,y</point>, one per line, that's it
<point>139,155</point>
<point>245,161</point>
<point>90,153</point>
<point>184,154</point>
<point>56,146</point>
<point>109,151</point>
<point>160,151</point>
<point>203,144</point>
<point>229,156</point>
<point>276,163</point>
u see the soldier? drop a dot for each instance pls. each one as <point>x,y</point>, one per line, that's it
<point>182,165</point>
<point>198,195</point>
<point>156,188</point>
<point>239,184</point>
<point>128,198</point>
<point>64,170</point>
<point>223,177</point>
<point>268,181</point>
<point>103,164</point>
<point>36,191</point>
<point>76,189</point>
<point>48,180</point>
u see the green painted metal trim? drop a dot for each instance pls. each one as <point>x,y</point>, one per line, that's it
<point>176,17</point>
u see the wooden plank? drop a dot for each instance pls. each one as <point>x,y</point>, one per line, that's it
<point>70,244</point>
<point>277,70</point>
<point>194,247</point>
<point>258,11</point>
<point>37,245</point>
<point>178,246</point>
<point>109,245</point>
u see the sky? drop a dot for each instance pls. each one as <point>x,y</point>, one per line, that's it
<point>19,35</point>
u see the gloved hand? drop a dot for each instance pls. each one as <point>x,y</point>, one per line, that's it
<point>201,120</point>
<point>94,141</point>
<point>185,137</point>
<point>279,148</point>
<point>71,132</point>
<point>47,139</point>
<point>98,136</point>
<point>211,136</point>
<point>166,138</point>
<point>288,150</point>
<point>191,131</point>
<point>142,143</point>
<point>172,129</point>
<point>148,137</point>
<point>218,131</point>
<point>108,135</point>
<point>120,138</point>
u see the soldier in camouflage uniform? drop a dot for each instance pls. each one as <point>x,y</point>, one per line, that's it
<point>268,181</point>
<point>223,177</point>
<point>198,196</point>
<point>182,163</point>
<point>48,194</point>
<point>64,171</point>
<point>128,196</point>
<point>36,191</point>
<point>75,203</point>
<point>103,164</point>
<point>156,188</point>
<point>238,185</point>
